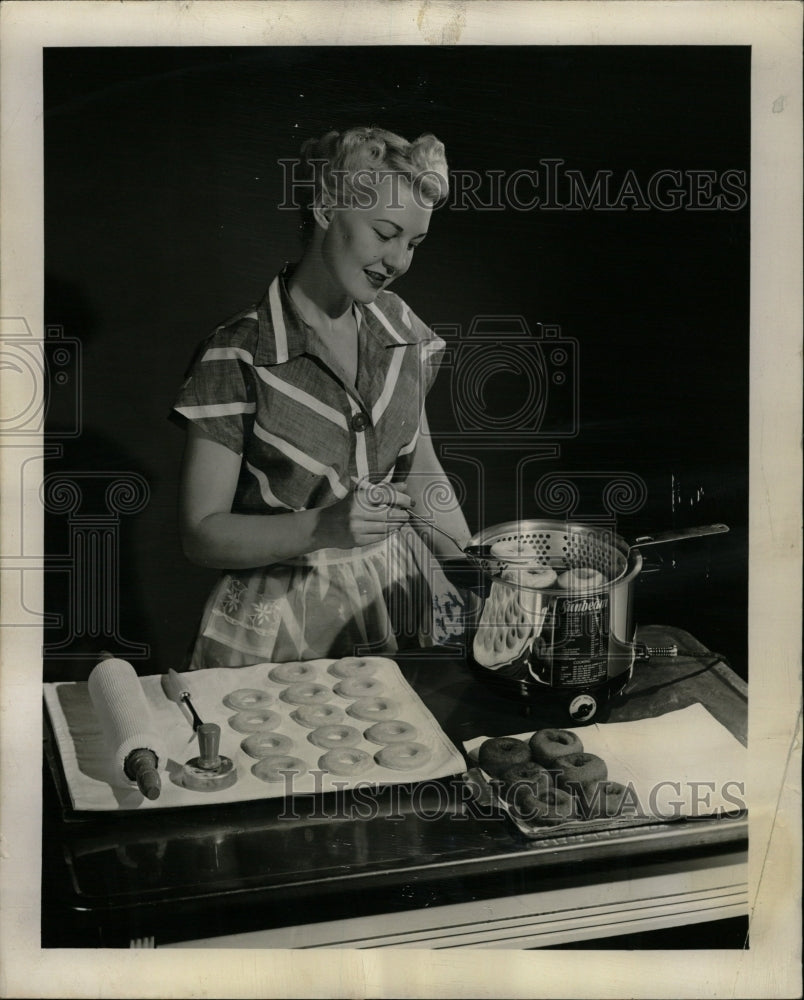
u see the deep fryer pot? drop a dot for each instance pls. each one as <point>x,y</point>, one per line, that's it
<point>571,649</point>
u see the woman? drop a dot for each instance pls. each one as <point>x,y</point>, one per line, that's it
<point>297,410</point>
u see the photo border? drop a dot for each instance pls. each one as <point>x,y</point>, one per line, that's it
<point>771,965</point>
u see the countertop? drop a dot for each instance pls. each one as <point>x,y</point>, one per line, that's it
<point>220,870</point>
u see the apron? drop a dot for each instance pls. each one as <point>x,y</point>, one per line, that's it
<point>379,598</point>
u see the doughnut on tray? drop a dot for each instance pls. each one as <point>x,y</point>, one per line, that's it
<point>681,766</point>
<point>93,786</point>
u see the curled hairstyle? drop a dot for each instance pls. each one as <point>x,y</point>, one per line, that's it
<point>333,164</point>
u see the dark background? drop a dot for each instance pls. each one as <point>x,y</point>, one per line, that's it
<point>161,193</point>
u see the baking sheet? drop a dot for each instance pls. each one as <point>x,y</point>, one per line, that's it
<point>86,758</point>
<point>681,765</point>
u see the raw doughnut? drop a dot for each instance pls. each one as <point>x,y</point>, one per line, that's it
<point>289,673</point>
<point>393,731</point>
<point>605,800</point>
<point>372,709</point>
<point>549,807</point>
<point>359,687</point>
<point>329,737</point>
<point>305,694</point>
<point>245,698</point>
<point>403,756</point>
<point>580,771</point>
<point>348,762</point>
<point>357,666</point>
<point>275,767</point>
<point>531,774</point>
<point>497,754</point>
<point>265,744</point>
<point>251,722</point>
<point>509,548</point>
<point>314,716</point>
<point>549,744</point>
<point>581,578</point>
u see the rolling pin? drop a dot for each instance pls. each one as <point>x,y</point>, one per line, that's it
<point>125,719</point>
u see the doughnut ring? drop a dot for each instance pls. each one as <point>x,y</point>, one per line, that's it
<point>314,716</point>
<point>348,761</point>
<point>548,745</point>
<point>245,698</point>
<point>372,709</point>
<point>357,666</point>
<point>581,578</point>
<point>604,801</point>
<point>359,687</point>
<point>330,737</point>
<point>497,754</point>
<point>533,579</point>
<point>277,766</point>
<point>548,807</point>
<point>266,744</point>
<point>529,773</point>
<point>393,731</point>
<point>403,756</point>
<point>513,548</point>
<point>251,722</point>
<point>289,673</point>
<point>577,771</point>
<point>305,694</point>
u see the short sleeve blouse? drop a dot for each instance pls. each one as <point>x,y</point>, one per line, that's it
<point>261,385</point>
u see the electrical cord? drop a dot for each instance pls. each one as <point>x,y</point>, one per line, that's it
<point>712,657</point>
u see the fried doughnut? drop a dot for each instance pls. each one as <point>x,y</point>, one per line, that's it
<point>393,731</point>
<point>252,722</point>
<point>329,737</point>
<point>357,666</point>
<point>372,709</point>
<point>314,716</point>
<point>305,694</point>
<point>604,800</point>
<point>549,744</point>
<point>548,807</point>
<point>581,578</point>
<point>531,774</point>
<point>403,756</point>
<point>245,698</point>
<point>290,673</point>
<point>513,548</point>
<point>576,771</point>
<point>533,579</point>
<point>266,744</point>
<point>348,762</point>
<point>275,767</point>
<point>359,687</point>
<point>495,755</point>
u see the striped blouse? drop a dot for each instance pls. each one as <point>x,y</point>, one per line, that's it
<point>265,386</point>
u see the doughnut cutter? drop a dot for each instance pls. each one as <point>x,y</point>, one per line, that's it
<point>210,771</point>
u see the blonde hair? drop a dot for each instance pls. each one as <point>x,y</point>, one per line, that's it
<point>330,165</point>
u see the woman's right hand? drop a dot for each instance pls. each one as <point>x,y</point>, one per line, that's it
<point>368,514</point>
<point>213,536</point>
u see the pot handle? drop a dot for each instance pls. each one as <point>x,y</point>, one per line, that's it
<point>677,536</point>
